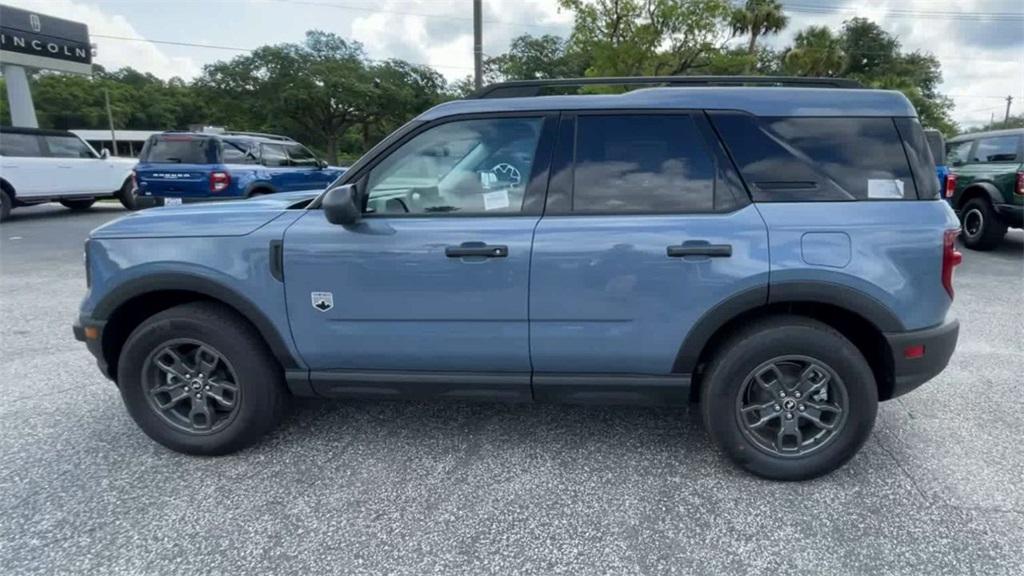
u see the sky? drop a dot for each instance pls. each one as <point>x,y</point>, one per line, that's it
<point>982,54</point>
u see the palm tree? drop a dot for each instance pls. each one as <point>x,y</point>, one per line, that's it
<point>816,51</point>
<point>758,18</point>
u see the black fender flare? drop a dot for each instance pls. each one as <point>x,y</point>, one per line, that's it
<point>181,281</point>
<point>259,184</point>
<point>990,190</point>
<point>807,292</point>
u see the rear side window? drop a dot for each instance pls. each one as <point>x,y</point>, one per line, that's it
<point>177,150</point>
<point>958,152</point>
<point>814,159</point>
<point>20,145</point>
<point>637,163</point>
<point>998,149</point>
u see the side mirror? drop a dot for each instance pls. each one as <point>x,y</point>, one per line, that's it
<point>322,164</point>
<point>341,205</point>
<point>104,153</point>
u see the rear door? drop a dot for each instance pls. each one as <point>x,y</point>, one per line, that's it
<point>646,229</point>
<point>275,158</point>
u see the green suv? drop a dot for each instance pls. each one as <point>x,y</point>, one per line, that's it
<point>986,184</point>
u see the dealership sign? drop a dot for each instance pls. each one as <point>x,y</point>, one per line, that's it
<point>40,41</point>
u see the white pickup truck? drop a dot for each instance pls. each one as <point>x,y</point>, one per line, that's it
<point>56,166</point>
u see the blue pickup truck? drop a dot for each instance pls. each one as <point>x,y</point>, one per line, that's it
<point>190,166</point>
<point>780,255</point>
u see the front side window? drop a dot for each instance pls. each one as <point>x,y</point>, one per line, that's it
<point>958,153</point>
<point>300,155</point>
<point>67,147</point>
<point>274,155</point>
<point>1000,149</point>
<point>467,166</point>
<point>636,163</point>
<point>20,145</point>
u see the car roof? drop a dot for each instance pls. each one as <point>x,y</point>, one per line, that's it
<point>759,101</point>
<point>229,137</point>
<point>990,133</point>
<point>36,131</point>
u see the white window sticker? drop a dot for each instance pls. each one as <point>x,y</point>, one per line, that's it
<point>885,189</point>
<point>496,200</point>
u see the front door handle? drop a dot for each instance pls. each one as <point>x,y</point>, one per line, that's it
<point>695,249</point>
<point>477,249</point>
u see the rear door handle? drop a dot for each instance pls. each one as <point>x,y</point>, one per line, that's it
<point>712,250</point>
<point>478,249</point>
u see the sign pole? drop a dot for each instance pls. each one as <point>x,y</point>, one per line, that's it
<point>19,96</point>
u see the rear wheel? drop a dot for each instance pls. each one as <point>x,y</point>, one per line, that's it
<point>199,379</point>
<point>789,398</point>
<point>79,204</point>
<point>980,225</point>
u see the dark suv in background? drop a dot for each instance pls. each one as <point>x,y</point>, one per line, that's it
<point>986,184</point>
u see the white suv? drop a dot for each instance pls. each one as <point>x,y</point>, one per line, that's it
<point>53,165</point>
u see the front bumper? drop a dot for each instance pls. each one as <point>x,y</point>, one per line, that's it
<point>1012,214</point>
<point>93,338</point>
<point>937,343</point>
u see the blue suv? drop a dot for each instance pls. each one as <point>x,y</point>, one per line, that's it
<point>780,255</point>
<point>189,166</point>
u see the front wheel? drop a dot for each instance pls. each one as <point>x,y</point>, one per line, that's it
<point>789,398</point>
<point>199,379</point>
<point>80,204</point>
<point>982,229</point>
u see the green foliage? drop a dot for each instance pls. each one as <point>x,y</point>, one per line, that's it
<point>758,18</point>
<point>1015,121</point>
<point>535,57</point>
<point>648,37</point>
<point>816,51</point>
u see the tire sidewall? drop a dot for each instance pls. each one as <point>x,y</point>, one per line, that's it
<point>256,376</point>
<point>992,230</point>
<point>730,370</point>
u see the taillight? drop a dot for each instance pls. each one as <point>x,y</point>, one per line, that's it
<point>951,258</point>
<point>219,181</point>
<point>951,185</point>
<point>1020,184</point>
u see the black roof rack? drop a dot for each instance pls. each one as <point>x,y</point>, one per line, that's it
<point>526,88</point>
<point>258,135</point>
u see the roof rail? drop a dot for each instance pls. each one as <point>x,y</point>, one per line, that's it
<point>257,135</point>
<point>527,88</point>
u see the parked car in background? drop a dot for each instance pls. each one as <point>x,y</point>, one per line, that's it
<point>937,147</point>
<point>55,166</point>
<point>196,166</point>
<point>986,184</point>
<point>780,255</point>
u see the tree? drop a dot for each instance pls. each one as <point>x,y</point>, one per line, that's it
<point>758,18</point>
<point>816,51</point>
<point>648,37</point>
<point>536,57</point>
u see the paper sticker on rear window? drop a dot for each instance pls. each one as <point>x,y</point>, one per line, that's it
<point>885,189</point>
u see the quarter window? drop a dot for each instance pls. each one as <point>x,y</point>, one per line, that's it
<point>638,163</point>
<point>467,166</point>
<point>958,153</point>
<point>1000,149</point>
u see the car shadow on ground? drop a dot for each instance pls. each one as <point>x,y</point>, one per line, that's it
<point>52,212</point>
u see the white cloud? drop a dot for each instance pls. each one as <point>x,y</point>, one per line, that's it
<point>113,54</point>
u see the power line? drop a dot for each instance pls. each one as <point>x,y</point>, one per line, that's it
<point>447,17</point>
<point>917,14</point>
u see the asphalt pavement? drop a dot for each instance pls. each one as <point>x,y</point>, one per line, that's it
<point>461,488</point>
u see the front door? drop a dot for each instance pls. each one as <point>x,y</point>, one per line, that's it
<point>647,229</point>
<point>435,277</point>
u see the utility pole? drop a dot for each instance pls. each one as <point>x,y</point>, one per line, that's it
<point>478,45</point>
<point>1006,119</point>
<point>110,120</point>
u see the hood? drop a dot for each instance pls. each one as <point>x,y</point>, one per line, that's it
<point>207,219</point>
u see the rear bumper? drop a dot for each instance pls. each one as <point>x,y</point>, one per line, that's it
<point>1012,214</point>
<point>93,342</point>
<point>938,343</point>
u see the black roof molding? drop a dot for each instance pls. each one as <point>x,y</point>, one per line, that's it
<point>528,88</point>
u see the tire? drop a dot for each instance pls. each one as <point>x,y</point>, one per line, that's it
<point>80,204</point>
<point>731,395</point>
<point>132,201</point>
<point>231,420</point>
<point>980,226</point>
<point>5,205</point>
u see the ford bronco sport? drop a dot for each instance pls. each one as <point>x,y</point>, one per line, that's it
<point>779,254</point>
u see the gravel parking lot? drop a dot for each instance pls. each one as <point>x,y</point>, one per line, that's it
<point>442,488</point>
